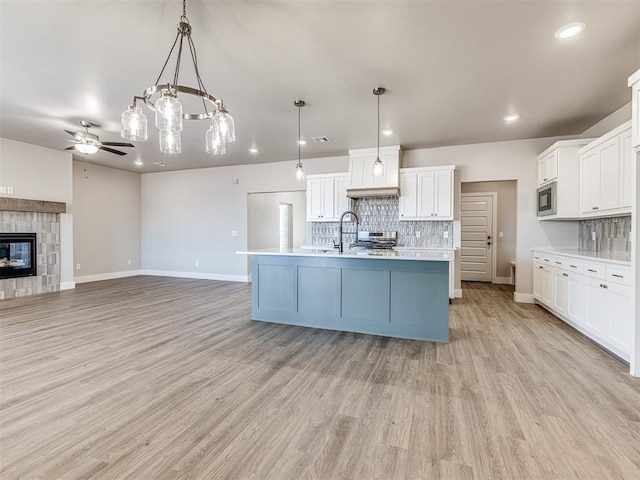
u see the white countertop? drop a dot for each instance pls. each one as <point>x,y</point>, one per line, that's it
<point>622,259</point>
<point>413,254</point>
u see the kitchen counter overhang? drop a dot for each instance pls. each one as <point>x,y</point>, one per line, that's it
<point>401,294</point>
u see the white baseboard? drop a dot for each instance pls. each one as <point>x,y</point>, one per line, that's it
<point>198,275</point>
<point>523,297</point>
<point>502,280</point>
<point>457,293</point>
<point>106,276</point>
<point>67,285</point>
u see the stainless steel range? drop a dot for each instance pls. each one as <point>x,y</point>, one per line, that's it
<point>375,241</point>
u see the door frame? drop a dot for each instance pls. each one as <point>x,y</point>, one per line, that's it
<point>494,226</point>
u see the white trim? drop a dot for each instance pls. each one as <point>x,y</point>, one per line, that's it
<point>523,297</point>
<point>67,285</point>
<point>198,275</point>
<point>457,293</point>
<point>106,276</point>
<point>502,281</point>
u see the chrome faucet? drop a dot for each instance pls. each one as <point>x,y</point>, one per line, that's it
<point>339,245</point>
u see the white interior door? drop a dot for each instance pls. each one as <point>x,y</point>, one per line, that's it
<point>477,242</point>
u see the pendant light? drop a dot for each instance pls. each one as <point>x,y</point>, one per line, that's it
<point>378,166</point>
<point>300,176</point>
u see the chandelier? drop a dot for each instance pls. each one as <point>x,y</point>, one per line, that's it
<point>168,109</point>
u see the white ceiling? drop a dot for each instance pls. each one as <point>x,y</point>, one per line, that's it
<point>452,70</point>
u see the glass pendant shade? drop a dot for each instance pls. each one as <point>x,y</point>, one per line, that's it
<point>87,148</point>
<point>225,125</point>
<point>378,168</point>
<point>170,142</point>
<point>134,124</point>
<point>169,112</point>
<point>214,144</point>
<point>300,176</point>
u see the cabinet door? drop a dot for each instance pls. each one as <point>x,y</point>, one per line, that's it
<point>609,174</point>
<point>598,308</point>
<point>542,171</point>
<point>548,167</point>
<point>547,285</point>
<point>561,291</point>
<point>576,298</point>
<point>590,181</point>
<point>341,203</point>
<point>626,170</point>
<point>327,199</point>
<point>408,200</point>
<point>314,199</point>
<point>538,281</point>
<point>426,194</point>
<point>443,196</point>
<point>621,324</point>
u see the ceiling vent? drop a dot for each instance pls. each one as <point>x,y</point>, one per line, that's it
<point>161,164</point>
<point>322,139</point>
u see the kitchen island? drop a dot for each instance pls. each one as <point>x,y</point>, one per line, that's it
<point>401,294</point>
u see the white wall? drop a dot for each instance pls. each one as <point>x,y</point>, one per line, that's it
<point>189,215</point>
<point>38,173</point>
<point>107,231</point>
<point>513,160</point>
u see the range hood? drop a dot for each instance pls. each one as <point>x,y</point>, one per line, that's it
<point>362,183</point>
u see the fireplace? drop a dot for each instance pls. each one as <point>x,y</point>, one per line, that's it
<point>17,255</point>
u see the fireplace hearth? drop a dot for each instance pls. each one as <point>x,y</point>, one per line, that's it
<point>17,255</point>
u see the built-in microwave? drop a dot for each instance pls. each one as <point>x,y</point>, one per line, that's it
<point>547,199</point>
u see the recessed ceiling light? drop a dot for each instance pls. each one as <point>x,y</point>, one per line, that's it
<point>161,164</point>
<point>570,29</point>
<point>512,117</point>
<point>139,162</point>
<point>302,142</point>
<point>388,131</point>
<point>253,150</point>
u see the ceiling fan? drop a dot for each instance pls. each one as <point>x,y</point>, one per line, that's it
<point>89,143</point>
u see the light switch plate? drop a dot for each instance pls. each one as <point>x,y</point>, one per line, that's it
<point>3,189</point>
<point>501,234</point>
<point>10,190</point>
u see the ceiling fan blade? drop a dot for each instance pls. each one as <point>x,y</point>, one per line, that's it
<point>118,144</point>
<point>73,134</point>
<point>72,147</point>
<point>111,150</point>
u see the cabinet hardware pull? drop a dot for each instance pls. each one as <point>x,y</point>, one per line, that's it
<point>545,259</point>
<point>559,263</point>
<point>604,286</point>
<point>537,258</point>
<point>592,271</point>
<point>617,276</point>
<point>540,266</point>
<point>573,266</point>
<point>565,274</point>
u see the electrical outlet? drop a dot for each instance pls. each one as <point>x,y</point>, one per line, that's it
<point>78,266</point>
<point>197,263</point>
<point>593,236</point>
<point>501,234</point>
<point>234,233</point>
<point>418,234</point>
<point>129,262</point>
<point>446,234</point>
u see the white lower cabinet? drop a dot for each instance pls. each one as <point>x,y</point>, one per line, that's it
<point>598,302</point>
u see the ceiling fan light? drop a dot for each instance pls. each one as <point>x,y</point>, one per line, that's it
<point>214,144</point>
<point>170,142</point>
<point>169,112</point>
<point>87,148</point>
<point>134,124</point>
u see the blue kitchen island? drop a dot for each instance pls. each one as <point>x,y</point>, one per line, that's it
<point>403,294</point>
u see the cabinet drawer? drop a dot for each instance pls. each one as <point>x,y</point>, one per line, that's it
<point>574,265</point>
<point>559,262</point>
<point>595,270</point>
<point>620,275</point>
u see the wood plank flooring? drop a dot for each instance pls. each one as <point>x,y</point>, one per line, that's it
<point>152,378</point>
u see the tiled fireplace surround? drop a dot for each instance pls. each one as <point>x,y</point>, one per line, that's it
<point>47,229</point>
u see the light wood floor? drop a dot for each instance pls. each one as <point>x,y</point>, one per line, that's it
<point>152,378</point>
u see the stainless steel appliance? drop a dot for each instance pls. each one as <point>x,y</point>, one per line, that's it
<point>547,199</point>
<point>375,241</point>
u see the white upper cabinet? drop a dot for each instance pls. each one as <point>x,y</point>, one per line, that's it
<point>548,167</point>
<point>605,174</point>
<point>634,83</point>
<point>326,197</point>
<point>426,193</point>
<point>362,182</point>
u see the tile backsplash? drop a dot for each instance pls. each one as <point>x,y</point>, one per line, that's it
<point>382,214</point>
<point>612,234</point>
